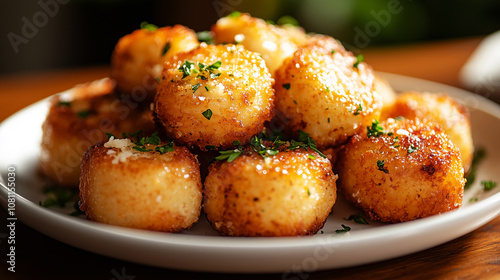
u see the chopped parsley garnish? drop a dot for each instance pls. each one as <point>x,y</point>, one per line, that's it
<point>207,88</point>
<point>286,86</point>
<point>375,130</point>
<point>58,196</point>
<point>234,14</point>
<point>488,185</point>
<point>344,229</point>
<point>333,51</point>
<point>261,149</point>
<point>327,89</point>
<point>165,48</point>
<point>380,166</point>
<point>358,110</point>
<point>479,155</point>
<point>83,114</point>
<point>64,104</point>
<point>195,87</point>
<point>287,20</point>
<point>357,218</point>
<point>311,157</point>
<point>359,59</point>
<point>205,37</point>
<point>207,114</point>
<point>412,149</point>
<point>186,68</point>
<point>305,142</point>
<point>229,155</point>
<point>148,26</point>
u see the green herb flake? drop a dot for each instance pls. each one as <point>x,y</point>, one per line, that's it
<point>64,104</point>
<point>380,166</point>
<point>207,114</point>
<point>344,229</point>
<point>165,148</point>
<point>148,26</point>
<point>207,88</point>
<point>488,185</point>
<point>186,68</point>
<point>358,110</point>
<point>311,157</point>
<point>305,142</point>
<point>479,155</point>
<point>165,48</point>
<point>234,14</point>
<point>195,87</point>
<point>412,149</point>
<point>287,20</point>
<point>357,218</point>
<point>83,114</point>
<point>286,86</point>
<point>359,59</point>
<point>205,37</point>
<point>375,130</point>
<point>229,155</point>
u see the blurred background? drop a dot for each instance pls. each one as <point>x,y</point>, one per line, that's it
<point>56,34</point>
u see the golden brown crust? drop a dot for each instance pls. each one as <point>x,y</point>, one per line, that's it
<point>81,118</point>
<point>241,98</point>
<point>273,43</point>
<point>144,190</point>
<point>324,94</point>
<point>138,58</point>
<point>415,175</point>
<point>284,195</point>
<point>440,108</point>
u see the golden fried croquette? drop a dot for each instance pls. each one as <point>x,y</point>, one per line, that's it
<point>80,118</point>
<point>272,42</point>
<point>287,194</point>
<point>138,57</point>
<point>325,91</point>
<point>156,189</point>
<point>448,113</point>
<point>214,95</point>
<point>401,170</point>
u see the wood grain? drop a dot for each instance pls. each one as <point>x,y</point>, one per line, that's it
<point>473,256</point>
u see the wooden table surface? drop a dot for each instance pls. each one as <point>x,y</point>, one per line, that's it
<point>473,256</point>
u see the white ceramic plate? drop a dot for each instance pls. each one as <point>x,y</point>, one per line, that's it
<point>201,249</point>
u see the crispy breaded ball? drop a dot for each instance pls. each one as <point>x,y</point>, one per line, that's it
<point>80,118</point>
<point>150,190</point>
<point>214,95</point>
<point>272,42</point>
<point>448,113</point>
<point>405,170</point>
<point>138,57</point>
<point>283,195</point>
<point>323,90</point>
